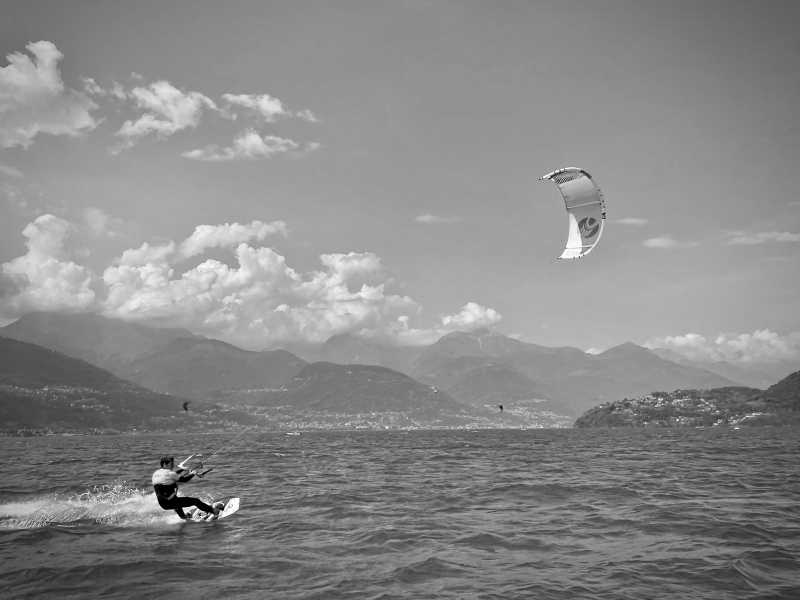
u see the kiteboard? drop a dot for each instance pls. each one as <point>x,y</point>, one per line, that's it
<point>226,509</point>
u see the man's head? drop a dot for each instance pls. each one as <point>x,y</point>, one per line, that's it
<point>167,462</point>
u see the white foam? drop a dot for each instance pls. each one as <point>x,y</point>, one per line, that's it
<point>118,504</point>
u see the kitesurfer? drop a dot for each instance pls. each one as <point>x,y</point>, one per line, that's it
<point>165,483</point>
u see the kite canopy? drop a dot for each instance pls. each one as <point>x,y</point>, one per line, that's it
<point>586,209</point>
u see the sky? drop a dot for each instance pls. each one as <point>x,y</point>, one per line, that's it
<point>267,173</point>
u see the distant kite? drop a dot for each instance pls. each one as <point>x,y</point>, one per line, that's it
<point>586,209</point>
<point>500,406</point>
<point>186,406</point>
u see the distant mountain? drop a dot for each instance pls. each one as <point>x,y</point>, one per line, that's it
<point>481,368</point>
<point>642,369</point>
<point>759,375</point>
<point>784,396</point>
<point>328,395</point>
<point>199,368</point>
<point>480,342</point>
<point>778,405</point>
<point>493,384</point>
<point>567,377</point>
<point>44,389</point>
<point>107,343</point>
<point>349,349</point>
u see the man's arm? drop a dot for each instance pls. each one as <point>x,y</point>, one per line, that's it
<point>184,476</point>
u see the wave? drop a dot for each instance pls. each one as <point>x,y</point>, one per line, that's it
<point>118,504</point>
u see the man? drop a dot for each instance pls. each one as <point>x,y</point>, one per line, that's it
<point>165,483</point>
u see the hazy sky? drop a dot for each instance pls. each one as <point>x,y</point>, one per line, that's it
<point>268,172</point>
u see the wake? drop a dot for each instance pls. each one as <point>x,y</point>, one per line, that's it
<point>119,505</point>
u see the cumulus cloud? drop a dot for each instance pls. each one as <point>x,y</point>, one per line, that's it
<point>268,107</point>
<point>45,278</point>
<point>249,145</point>
<point>164,109</point>
<point>91,87</point>
<point>472,316</point>
<point>254,298</point>
<point>34,99</point>
<point>428,219</point>
<point>147,254</point>
<point>740,238</point>
<point>632,221</point>
<point>229,235</point>
<point>306,115</point>
<point>116,91</point>
<point>101,224</point>
<point>10,171</point>
<point>666,242</point>
<point>760,346</point>
<point>167,110</point>
<point>260,300</point>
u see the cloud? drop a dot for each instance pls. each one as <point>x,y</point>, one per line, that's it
<point>45,278</point>
<point>760,346</point>
<point>229,235</point>
<point>249,145</point>
<point>10,172</point>
<point>258,301</point>
<point>254,299</point>
<point>34,100</point>
<point>667,242</point>
<point>91,87</point>
<point>167,110</point>
<point>740,238</point>
<point>147,254</point>
<point>348,267</point>
<point>306,115</point>
<point>164,110</point>
<point>101,224</point>
<point>116,91</point>
<point>268,107</point>
<point>472,316</point>
<point>428,219</point>
<point>204,237</point>
<point>632,221</point>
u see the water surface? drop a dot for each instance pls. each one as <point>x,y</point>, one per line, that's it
<point>559,514</point>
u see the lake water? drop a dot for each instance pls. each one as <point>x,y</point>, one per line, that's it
<point>639,514</point>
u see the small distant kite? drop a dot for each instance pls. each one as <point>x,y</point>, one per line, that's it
<point>186,406</point>
<point>500,406</point>
<point>586,209</point>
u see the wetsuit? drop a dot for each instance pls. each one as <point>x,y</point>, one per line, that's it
<point>165,483</point>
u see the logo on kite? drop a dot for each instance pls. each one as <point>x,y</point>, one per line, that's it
<point>588,227</point>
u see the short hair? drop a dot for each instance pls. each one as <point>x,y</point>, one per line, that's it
<point>165,460</point>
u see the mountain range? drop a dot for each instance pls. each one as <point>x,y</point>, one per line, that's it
<point>479,371</point>
<point>751,374</point>
<point>483,367</point>
<point>325,394</point>
<point>44,389</point>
